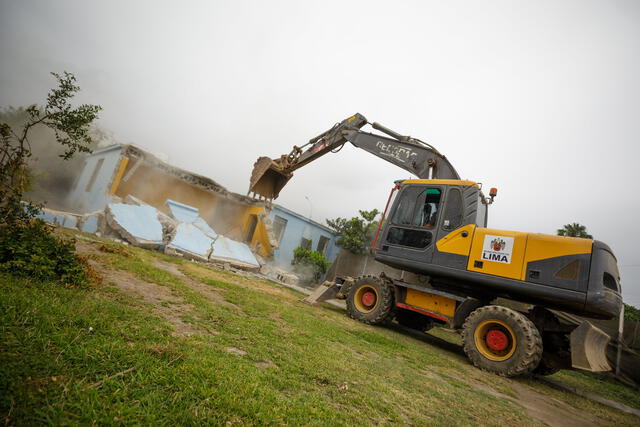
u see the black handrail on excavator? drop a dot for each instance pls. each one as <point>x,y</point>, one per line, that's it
<point>419,158</point>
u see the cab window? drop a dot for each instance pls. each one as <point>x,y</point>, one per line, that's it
<point>418,207</point>
<point>416,214</point>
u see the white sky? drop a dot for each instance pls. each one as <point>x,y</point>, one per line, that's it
<point>540,99</point>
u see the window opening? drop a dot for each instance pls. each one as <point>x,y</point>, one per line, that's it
<point>305,244</point>
<point>322,244</point>
<point>279,225</point>
<point>253,222</point>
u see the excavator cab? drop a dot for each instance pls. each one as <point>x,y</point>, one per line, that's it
<point>425,211</point>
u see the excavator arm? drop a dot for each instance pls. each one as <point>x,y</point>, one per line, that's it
<point>419,158</point>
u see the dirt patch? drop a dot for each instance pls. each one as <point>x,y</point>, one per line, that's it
<point>266,364</point>
<point>164,303</point>
<point>86,248</point>
<point>538,406</point>
<point>200,287</point>
<point>255,283</point>
<point>236,350</point>
<point>169,267</point>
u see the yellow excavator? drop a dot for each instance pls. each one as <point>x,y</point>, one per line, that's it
<point>435,227</point>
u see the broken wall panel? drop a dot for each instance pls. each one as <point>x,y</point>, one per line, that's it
<point>189,215</point>
<point>191,241</point>
<point>139,225</point>
<point>225,249</point>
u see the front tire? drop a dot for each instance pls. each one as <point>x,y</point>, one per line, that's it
<point>370,300</point>
<point>502,341</point>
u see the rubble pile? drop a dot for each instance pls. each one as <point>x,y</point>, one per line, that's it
<point>182,233</point>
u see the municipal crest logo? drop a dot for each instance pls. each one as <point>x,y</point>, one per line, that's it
<point>498,244</point>
<point>497,249</point>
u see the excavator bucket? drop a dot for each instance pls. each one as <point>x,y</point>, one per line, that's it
<point>326,291</point>
<point>589,348</point>
<point>267,178</point>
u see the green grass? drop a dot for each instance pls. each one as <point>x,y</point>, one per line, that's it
<point>70,356</point>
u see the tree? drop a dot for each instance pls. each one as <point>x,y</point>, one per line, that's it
<point>27,245</point>
<point>574,230</point>
<point>71,128</point>
<point>355,234</point>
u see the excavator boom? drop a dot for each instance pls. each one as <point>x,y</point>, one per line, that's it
<point>269,176</point>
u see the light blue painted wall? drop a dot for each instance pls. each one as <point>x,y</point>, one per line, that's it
<point>98,198</point>
<point>297,228</point>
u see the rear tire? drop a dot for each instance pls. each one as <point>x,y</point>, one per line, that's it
<point>370,300</point>
<point>501,341</point>
<point>413,320</point>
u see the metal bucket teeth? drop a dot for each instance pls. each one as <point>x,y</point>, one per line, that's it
<point>267,179</point>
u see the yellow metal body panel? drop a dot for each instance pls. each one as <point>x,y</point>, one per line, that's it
<point>454,243</point>
<point>505,255</point>
<point>544,246</point>
<point>431,302</point>
<point>441,182</point>
<point>118,176</point>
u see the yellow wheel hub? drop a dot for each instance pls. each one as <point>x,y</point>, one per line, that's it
<point>495,340</point>
<point>366,299</point>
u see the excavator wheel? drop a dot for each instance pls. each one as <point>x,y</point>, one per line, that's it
<point>370,300</point>
<point>413,320</point>
<point>501,341</point>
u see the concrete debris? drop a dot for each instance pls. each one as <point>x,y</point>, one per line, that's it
<point>139,225</point>
<point>196,238</point>
<point>93,223</point>
<point>190,215</point>
<point>191,241</point>
<point>63,219</point>
<point>279,275</point>
<point>236,253</point>
<point>184,233</point>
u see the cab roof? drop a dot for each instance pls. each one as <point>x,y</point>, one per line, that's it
<point>441,182</point>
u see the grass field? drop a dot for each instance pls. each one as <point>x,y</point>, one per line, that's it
<point>165,341</point>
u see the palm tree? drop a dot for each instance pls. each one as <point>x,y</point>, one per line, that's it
<point>574,230</point>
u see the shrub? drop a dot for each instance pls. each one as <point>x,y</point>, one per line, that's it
<point>31,250</point>
<point>314,259</point>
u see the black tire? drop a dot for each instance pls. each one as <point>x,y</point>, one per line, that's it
<point>413,320</point>
<point>501,341</point>
<point>362,308</point>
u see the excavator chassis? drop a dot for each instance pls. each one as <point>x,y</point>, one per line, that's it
<point>588,344</point>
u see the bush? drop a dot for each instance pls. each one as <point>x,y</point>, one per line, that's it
<point>313,259</point>
<point>31,250</point>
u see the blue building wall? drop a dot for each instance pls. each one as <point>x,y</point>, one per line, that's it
<point>98,197</point>
<point>299,227</point>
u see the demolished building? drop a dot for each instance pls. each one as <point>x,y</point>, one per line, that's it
<point>208,219</point>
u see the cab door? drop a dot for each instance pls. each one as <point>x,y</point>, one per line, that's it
<point>413,224</point>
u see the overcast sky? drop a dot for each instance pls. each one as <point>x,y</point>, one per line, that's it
<point>540,99</point>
